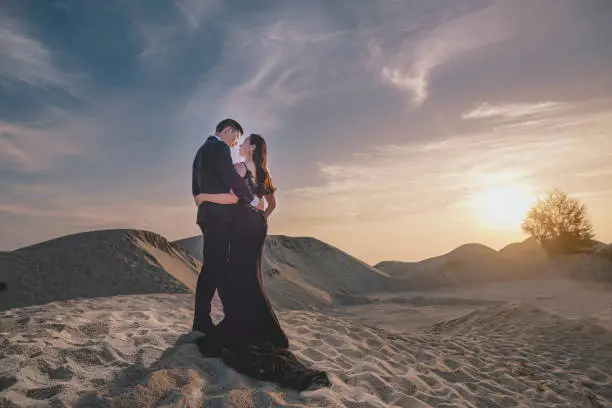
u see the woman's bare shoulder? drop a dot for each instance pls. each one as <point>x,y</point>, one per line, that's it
<point>240,168</point>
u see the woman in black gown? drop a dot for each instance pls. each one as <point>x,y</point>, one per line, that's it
<point>250,339</point>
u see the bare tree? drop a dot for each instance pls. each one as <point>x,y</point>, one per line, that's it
<point>559,223</point>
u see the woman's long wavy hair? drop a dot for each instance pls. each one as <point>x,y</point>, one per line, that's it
<point>264,184</point>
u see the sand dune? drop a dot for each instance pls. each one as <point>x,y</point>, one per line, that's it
<point>299,273</point>
<point>467,252</point>
<point>95,264</point>
<point>474,263</point>
<point>305,273</point>
<point>468,264</point>
<point>487,341</point>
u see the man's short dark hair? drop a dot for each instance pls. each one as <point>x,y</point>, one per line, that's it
<point>229,123</point>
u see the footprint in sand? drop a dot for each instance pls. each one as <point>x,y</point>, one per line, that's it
<point>7,382</point>
<point>93,329</point>
<point>314,355</point>
<point>45,392</point>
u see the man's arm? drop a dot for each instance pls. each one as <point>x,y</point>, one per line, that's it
<point>225,167</point>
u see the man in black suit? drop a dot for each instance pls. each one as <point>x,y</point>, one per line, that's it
<point>213,172</point>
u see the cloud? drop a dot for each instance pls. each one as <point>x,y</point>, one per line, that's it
<point>414,82</point>
<point>63,209</point>
<point>388,186</point>
<point>266,70</point>
<point>409,63</point>
<point>159,38</point>
<point>397,182</point>
<point>24,59</point>
<point>129,215</point>
<point>513,110</point>
<point>197,12</point>
<point>35,140</point>
<point>156,38</point>
<point>82,216</point>
<point>38,146</point>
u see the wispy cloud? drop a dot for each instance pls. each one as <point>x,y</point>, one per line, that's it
<point>160,38</point>
<point>396,182</point>
<point>409,65</point>
<point>49,133</point>
<point>280,65</point>
<point>133,215</point>
<point>24,59</point>
<point>513,110</point>
<point>197,12</point>
<point>65,210</point>
<point>37,146</point>
<point>156,38</point>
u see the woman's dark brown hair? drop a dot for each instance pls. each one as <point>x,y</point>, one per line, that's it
<point>264,184</point>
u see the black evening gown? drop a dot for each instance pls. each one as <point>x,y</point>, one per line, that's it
<point>250,338</point>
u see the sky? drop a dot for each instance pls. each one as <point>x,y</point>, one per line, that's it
<point>396,130</point>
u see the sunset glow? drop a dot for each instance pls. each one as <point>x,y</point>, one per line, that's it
<point>502,207</point>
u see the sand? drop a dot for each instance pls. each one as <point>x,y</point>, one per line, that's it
<point>530,342</point>
<point>122,351</point>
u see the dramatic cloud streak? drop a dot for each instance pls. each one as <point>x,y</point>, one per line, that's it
<point>25,59</point>
<point>39,145</point>
<point>512,110</point>
<point>274,76</point>
<point>410,64</point>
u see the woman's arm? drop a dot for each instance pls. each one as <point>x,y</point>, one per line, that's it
<point>222,198</point>
<point>271,200</point>
<point>240,169</point>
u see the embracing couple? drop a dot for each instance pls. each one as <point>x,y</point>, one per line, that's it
<point>232,214</point>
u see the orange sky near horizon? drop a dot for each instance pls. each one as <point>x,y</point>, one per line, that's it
<point>471,188</point>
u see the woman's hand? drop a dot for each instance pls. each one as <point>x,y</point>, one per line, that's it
<point>260,205</point>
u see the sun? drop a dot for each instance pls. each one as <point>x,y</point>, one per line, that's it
<point>503,207</point>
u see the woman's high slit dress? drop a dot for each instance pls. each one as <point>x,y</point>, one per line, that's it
<point>250,339</point>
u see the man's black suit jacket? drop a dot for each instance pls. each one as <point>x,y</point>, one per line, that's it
<point>213,172</point>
